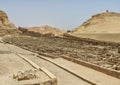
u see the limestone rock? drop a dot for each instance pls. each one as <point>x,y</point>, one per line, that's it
<point>4,21</point>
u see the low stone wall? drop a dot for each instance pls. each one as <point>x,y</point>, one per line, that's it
<point>47,55</point>
<point>49,82</point>
<point>95,67</point>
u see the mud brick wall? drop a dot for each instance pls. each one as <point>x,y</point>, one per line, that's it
<point>95,67</point>
<point>50,82</point>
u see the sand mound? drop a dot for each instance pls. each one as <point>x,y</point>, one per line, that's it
<point>108,22</point>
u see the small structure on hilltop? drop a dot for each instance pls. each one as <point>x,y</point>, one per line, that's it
<point>107,10</point>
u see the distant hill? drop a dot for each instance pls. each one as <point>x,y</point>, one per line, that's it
<point>44,30</point>
<point>108,22</point>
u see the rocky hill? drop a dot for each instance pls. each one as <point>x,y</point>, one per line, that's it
<point>4,21</point>
<point>46,30</point>
<point>108,22</point>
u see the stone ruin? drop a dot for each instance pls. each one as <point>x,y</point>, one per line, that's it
<point>33,77</point>
<point>25,75</point>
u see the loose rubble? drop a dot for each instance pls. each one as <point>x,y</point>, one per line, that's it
<point>25,75</point>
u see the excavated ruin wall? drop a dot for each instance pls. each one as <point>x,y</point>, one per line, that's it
<point>87,64</point>
<point>93,66</point>
<point>49,82</point>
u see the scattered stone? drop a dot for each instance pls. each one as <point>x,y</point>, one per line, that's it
<point>25,75</point>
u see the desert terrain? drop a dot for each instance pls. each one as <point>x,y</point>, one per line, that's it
<point>102,55</point>
<point>102,26</point>
<point>88,55</point>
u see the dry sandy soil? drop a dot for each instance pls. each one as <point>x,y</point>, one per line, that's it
<point>10,63</point>
<point>112,37</point>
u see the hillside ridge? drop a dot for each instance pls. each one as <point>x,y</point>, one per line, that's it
<point>108,22</point>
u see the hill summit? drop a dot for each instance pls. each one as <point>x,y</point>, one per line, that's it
<point>4,21</point>
<point>108,22</point>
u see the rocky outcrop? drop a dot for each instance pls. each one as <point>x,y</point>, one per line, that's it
<point>108,22</point>
<point>4,21</point>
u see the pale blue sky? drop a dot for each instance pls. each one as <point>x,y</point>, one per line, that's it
<point>64,14</point>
